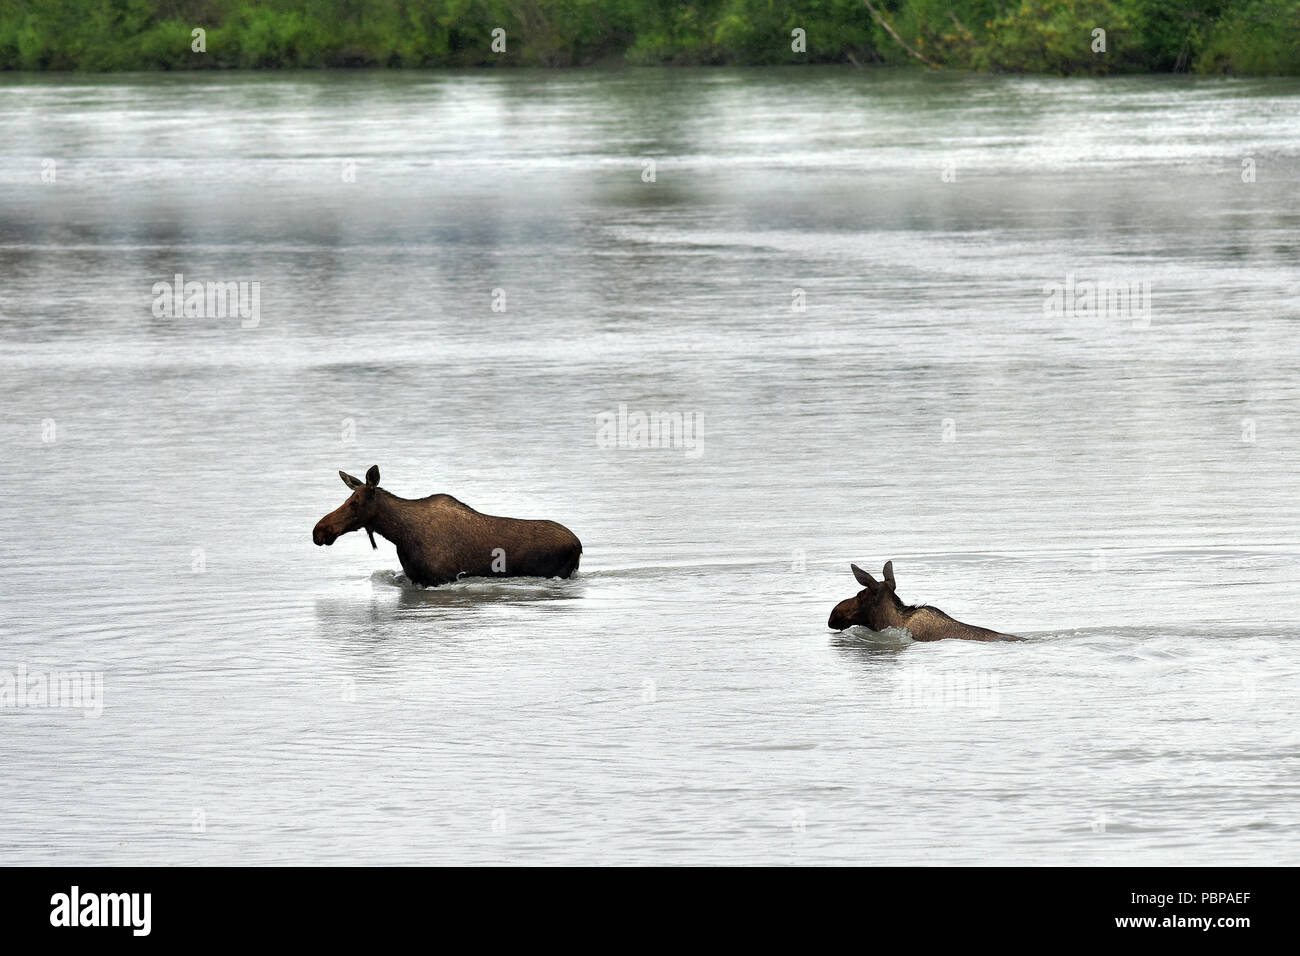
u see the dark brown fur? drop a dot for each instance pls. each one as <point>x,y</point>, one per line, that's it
<point>440,539</point>
<point>877,607</point>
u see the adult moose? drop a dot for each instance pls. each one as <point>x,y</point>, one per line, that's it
<point>440,539</point>
<point>877,607</point>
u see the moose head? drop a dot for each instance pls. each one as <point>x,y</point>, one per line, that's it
<point>874,607</point>
<point>357,512</point>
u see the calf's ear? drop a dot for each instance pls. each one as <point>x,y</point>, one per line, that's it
<point>372,476</point>
<point>353,483</point>
<point>866,580</point>
<point>889,573</point>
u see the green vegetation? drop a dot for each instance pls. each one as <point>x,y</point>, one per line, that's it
<point>1037,36</point>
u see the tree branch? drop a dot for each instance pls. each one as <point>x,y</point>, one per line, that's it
<point>899,40</point>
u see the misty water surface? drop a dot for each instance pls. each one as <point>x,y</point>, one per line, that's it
<point>840,275</point>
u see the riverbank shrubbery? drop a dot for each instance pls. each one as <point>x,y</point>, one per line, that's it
<point>1259,37</point>
<point>1038,36</point>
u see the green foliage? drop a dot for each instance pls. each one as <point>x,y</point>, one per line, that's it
<point>941,31</point>
<point>1052,36</point>
<point>1040,36</point>
<point>1258,37</point>
<point>1171,33</point>
<point>760,32</point>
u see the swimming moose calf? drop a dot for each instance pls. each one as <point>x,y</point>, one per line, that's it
<point>439,539</point>
<point>878,607</point>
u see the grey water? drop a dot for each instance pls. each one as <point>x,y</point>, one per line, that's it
<point>850,284</point>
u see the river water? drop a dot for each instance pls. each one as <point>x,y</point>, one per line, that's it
<point>850,285</point>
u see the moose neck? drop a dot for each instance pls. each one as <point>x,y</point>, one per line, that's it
<point>388,520</point>
<point>894,615</point>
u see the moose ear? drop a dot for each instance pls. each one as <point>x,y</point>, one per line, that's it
<point>353,483</point>
<point>866,580</point>
<point>372,476</point>
<point>889,573</point>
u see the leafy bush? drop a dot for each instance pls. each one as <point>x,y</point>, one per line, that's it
<point>1057,37</point>
<point>1259,37</point>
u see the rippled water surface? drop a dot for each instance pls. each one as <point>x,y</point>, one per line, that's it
<point>841,275</point>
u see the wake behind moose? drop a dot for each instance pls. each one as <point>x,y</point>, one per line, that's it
<point>440,539</point>
<point>877,607</point>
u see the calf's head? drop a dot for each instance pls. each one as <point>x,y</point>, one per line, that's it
<point>357,512</point>
<point>871,607</point>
